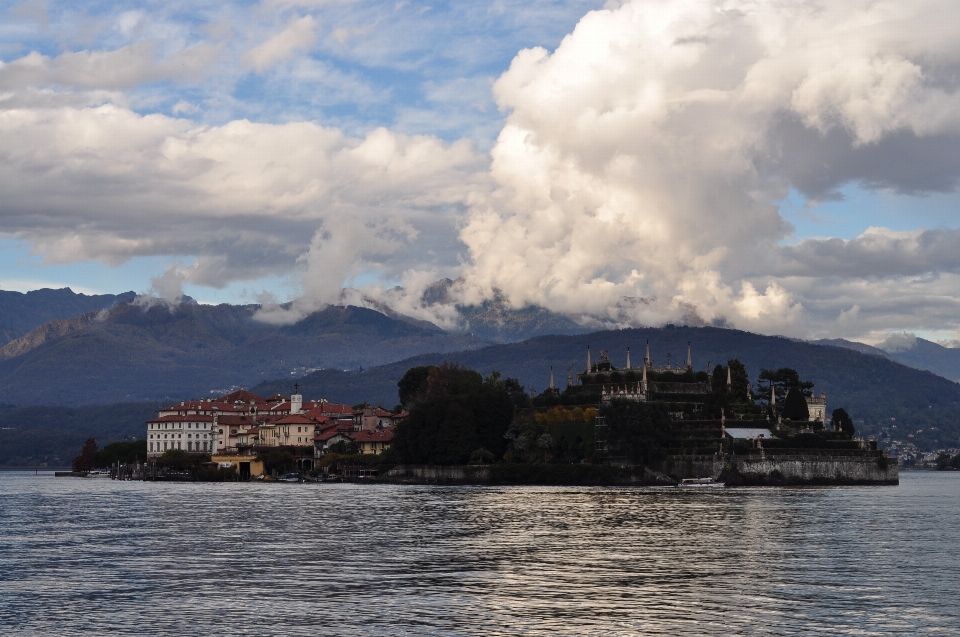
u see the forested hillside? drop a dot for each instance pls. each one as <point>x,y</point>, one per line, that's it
<point>52,436</point>
<point>134,353</point>
<point>21,312</point>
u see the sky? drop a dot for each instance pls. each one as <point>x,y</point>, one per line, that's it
<point>780,167</point>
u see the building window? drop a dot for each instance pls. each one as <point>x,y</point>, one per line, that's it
<point>178,445</point>
<point>189,446</point>
<point>151,446</point>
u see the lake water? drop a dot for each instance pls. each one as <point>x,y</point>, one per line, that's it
<point>98,557</point>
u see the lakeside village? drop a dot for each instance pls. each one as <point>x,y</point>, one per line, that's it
<point>649,424</point>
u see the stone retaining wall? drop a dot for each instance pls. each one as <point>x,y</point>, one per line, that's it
<point>456,474</point>
<point>799,470</point>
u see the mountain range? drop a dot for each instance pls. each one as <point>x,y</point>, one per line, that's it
<point>21,312</point>
<point>128,350</point>
<point>911,351</point>
<point>158,351</point>
<point>133,350</point>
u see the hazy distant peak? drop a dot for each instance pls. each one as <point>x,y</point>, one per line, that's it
<point>437,292</point>
<point>863,348</point>
<point>899,342</point>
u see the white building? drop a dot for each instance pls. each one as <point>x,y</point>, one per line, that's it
<point>817,406</point>
<point>191,433</point>
<point>244,420</point>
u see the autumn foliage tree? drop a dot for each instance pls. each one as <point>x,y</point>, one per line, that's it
<point>85,461</point>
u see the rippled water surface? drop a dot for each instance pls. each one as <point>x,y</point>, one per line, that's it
<point>88,556</point>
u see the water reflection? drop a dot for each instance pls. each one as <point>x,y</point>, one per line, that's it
<point>96,557</point>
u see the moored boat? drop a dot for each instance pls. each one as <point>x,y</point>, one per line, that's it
<point>699,482</point>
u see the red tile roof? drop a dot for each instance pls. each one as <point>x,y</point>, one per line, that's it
<point>178,418</point>
<point>243,396</point>
<point>373,435</point>
<point>296,419</point>
<point>333,408</point>
<point>327,434</point>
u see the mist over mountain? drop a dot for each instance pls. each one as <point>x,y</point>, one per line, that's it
<point>21,312</point>
<point>877,390</point>
<point>156,351</point>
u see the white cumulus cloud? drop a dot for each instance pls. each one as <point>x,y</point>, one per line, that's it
<point>643,158</point>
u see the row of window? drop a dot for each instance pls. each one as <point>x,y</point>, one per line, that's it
<point>189,425</point>
<point>190,446</point>
<point>176,436</point>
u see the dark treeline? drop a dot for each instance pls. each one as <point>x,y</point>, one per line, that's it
<point>51,436</point>
<point>457,416</point>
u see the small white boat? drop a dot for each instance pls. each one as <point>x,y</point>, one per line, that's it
<point>699,482</point>
<point>99,473</point>
<point>290,477</point>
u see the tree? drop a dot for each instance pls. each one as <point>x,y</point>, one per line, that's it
<point>842,422</point>
<point>795,405</point>
<point>545,442</point>
<point>637,430</point>
<point>518,394</point>
<point>343,448</point>
<point>739,381</point>
<point>85,461</point>
<point>481,456</point>
<point>413,386</point>
<point>276,460</point>
<point>718,382</point>
<point>458,413</point>
<point>783,380</point>
<point>122,452</point>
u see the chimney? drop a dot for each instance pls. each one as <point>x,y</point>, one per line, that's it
<point>628,359</point>
<point>646,360</point>
<point>729,379</point>
<point>689,357</point>
<point>588,359</point>
<point>551,378</point>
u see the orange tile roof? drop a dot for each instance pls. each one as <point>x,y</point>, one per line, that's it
<point>373,435</point>
<point>242,396</point>
<point>178,418</point>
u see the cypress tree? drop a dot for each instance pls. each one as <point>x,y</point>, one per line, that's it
<point>842,422</point>
<point>795,405</point>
